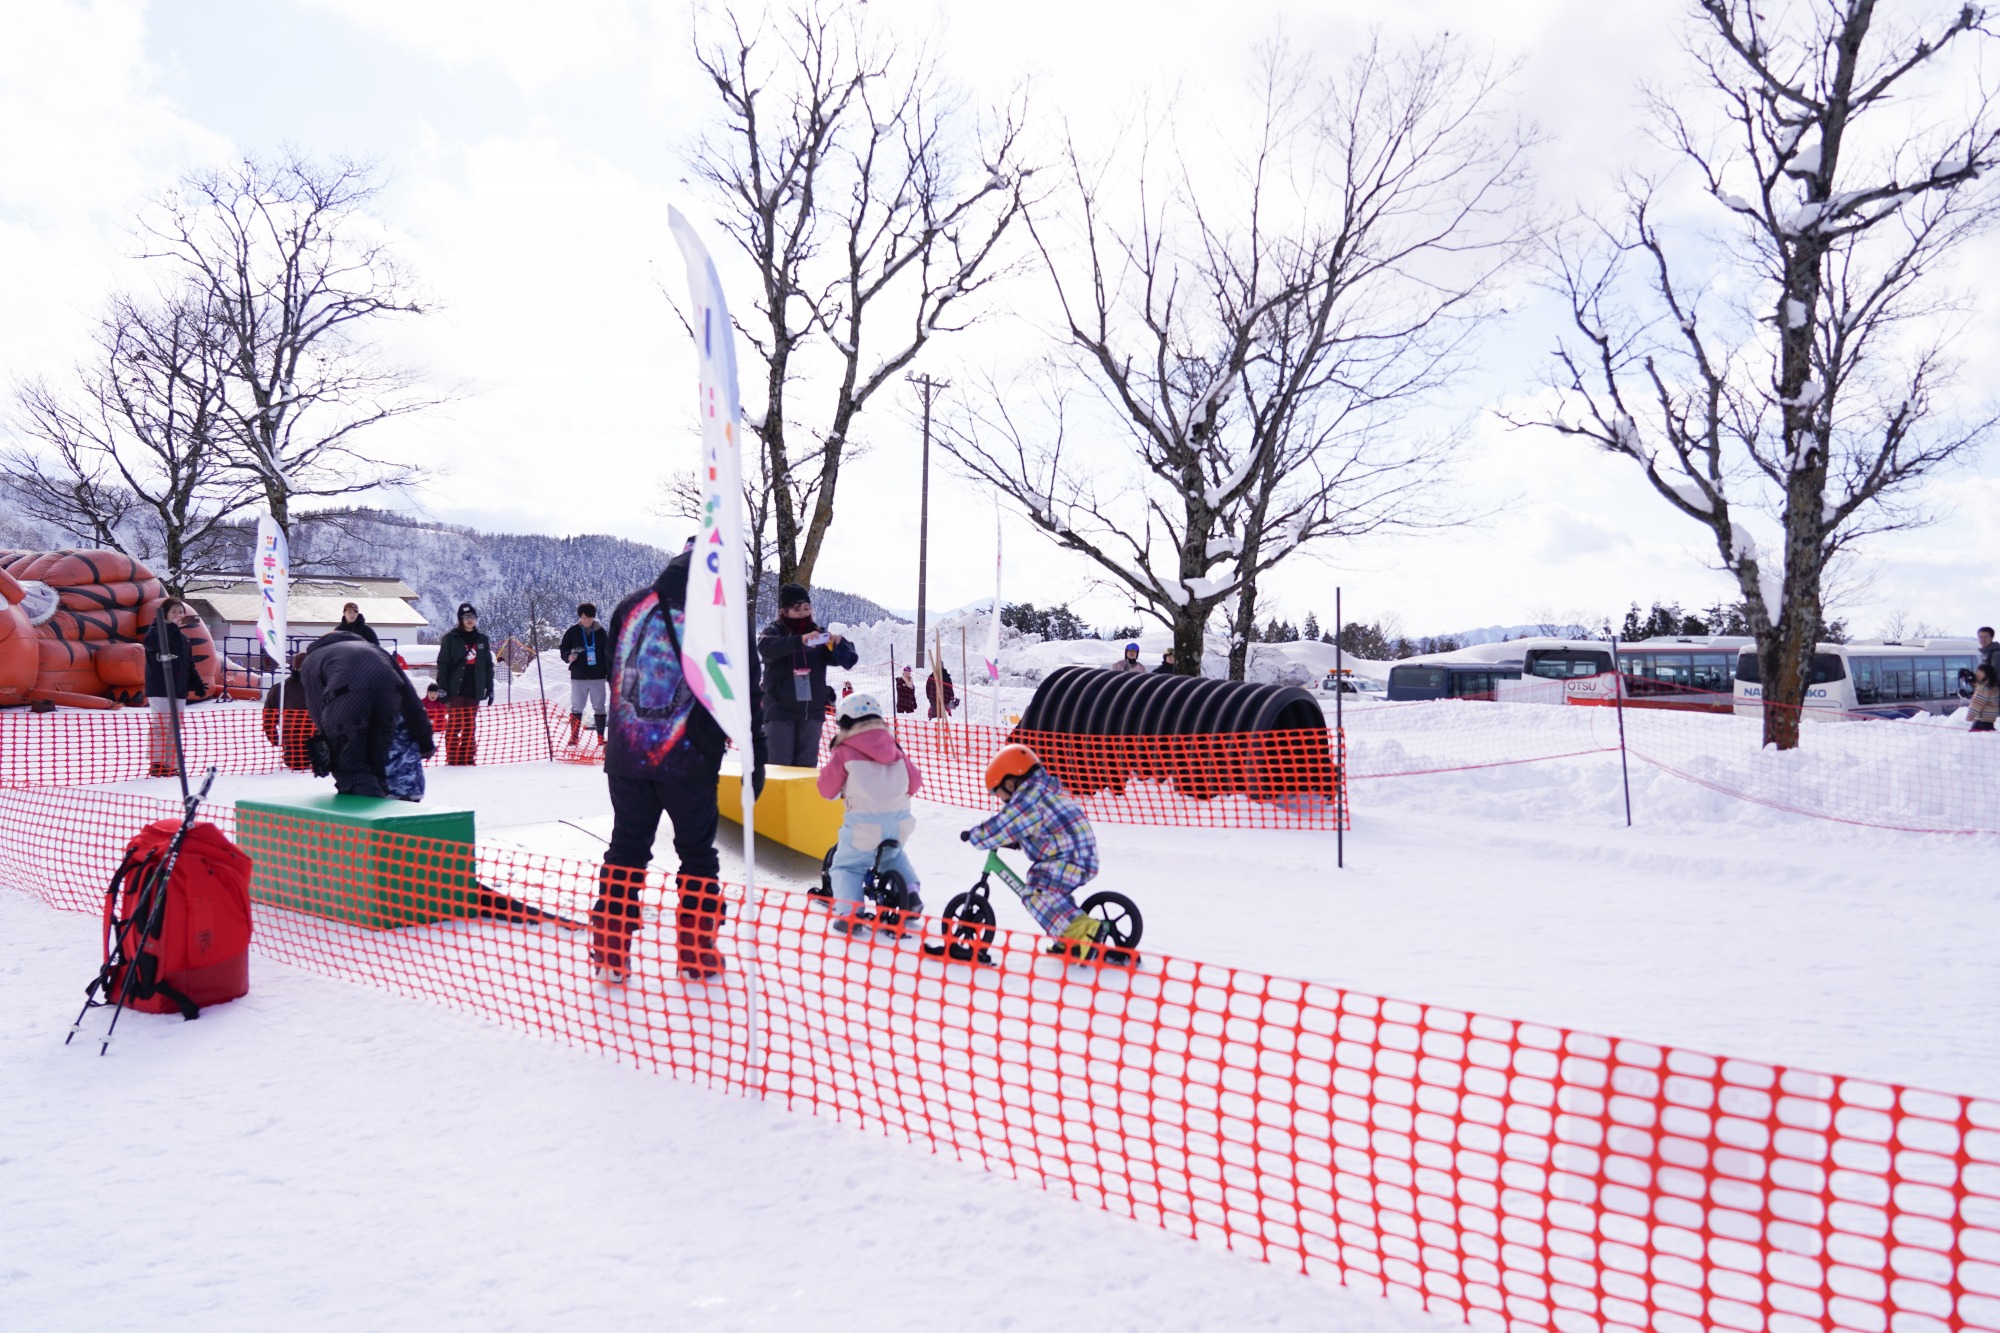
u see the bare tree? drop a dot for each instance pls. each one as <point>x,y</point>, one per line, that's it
<point>872,211</point>
<point>298,277</point>
<point>1807,383</point>
<point>132,456</point>
<point>1256,343</point>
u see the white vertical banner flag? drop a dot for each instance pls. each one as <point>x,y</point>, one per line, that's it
<point>715,635</point>
<point>273,571</point>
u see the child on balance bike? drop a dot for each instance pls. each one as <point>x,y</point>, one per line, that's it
<point>1047,823</point>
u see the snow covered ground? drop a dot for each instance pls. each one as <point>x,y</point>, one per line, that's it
<point>417,1168</point>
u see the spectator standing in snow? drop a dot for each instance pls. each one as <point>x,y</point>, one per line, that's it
<point>287,724</point>
<point>465,670</point>
<point>1989,651</point>
<point>353,622</point>
<point>662,755</point>
<point>1985,705</point>
<point>796,653</point>
<point>1166,666</point>
<point>586,651</point>
<point>906,692</point>
<point>1130,662</point>
<point>169,671</point>
<point>939,691</point>
<point>434,707</point>
<point>376,731</point>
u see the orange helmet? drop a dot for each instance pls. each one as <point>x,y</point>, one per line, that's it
<point>1013,761</point>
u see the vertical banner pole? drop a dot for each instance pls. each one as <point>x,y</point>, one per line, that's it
<point>1339,741</point>
<point>1618,688</point>
<point>541,682</point>
<point>715,637</point>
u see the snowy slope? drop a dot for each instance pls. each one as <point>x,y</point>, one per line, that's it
<point>319,1156</point>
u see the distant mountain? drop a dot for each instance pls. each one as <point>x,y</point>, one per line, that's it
<point>501,573</point>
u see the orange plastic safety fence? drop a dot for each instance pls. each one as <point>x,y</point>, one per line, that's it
<point>1498,1172</point>
<point>1271,779</point>
<point>72,747</point>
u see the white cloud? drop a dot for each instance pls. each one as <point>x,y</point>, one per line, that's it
<point>87,138</point>
<point>534,42</point>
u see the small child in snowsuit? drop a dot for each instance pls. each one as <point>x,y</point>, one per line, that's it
<point>1047,823</point>
<point>872,776</point>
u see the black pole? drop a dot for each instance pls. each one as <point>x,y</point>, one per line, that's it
<point>1624,767</point>
<point>1340,741</point>
<point>929,388</point>
<point>541,682</point>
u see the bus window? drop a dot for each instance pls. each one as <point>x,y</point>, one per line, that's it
<point>1561,663</point>
<point>1417,678</point>
<point>1897,679</point>
<point>1712,672</point>
<point>1957,672</point>
<point>1748,670</point>
<point>1471,685</point>
<point>1826,667</point>
<point>1867,686</point>
<point>1930,678</point>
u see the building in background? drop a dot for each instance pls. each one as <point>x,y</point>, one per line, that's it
<point>230,606</point>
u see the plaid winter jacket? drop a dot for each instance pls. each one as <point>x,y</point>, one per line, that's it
<point>1047,823</point>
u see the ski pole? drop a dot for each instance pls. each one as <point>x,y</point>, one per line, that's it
<point>153,902</point>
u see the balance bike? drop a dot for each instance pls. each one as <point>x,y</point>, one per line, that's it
<point>893,898</point>
<point>969,924</point>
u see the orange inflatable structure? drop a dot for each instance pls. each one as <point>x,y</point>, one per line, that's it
<point>71,625</point>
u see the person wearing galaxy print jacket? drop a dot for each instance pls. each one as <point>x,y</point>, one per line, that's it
<point>662,755</point>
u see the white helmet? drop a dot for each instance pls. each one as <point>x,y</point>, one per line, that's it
<point>857,706</point>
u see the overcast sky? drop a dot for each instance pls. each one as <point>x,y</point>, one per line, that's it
<point>532,149</point>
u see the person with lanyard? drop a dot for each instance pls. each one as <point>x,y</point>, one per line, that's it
<point>586,651</point>
<point>796,653</point>
<point>465,670</point>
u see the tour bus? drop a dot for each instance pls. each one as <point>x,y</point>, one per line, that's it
<point>1691,673</point>
<point>1875,678</point>
<point>1515,670</point>
<point>1448,680</point>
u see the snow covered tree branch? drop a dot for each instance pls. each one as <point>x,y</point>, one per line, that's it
<point>1255,342</point>
<point>132,456</point>
<point>1814,394</point>
<point>874,210</point>
<point>297,276</point>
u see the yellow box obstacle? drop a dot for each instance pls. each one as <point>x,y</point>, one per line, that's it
<point>790,811</point>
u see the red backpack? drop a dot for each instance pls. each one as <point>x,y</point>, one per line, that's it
<point>200,953</point>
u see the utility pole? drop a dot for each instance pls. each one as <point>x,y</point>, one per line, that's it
<point>929,388</point>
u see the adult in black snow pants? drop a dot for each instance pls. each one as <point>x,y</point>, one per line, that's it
<point>465,670</point>
<point>796,653</point>
<point>377,733</point>
<point>662,755</point>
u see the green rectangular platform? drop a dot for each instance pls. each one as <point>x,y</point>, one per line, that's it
<point>374,863</point>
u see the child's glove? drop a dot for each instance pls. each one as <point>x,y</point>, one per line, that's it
<point>965,835</point>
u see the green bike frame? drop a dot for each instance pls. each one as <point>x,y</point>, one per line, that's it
<point>996,864</point>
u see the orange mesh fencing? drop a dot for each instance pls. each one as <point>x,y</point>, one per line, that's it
<point>1492,1171</point>
<point>79,747</point>
<point>1269,779</point>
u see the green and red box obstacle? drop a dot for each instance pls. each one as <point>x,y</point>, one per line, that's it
<point>374,863</point>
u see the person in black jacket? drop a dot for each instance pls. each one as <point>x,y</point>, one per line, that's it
<point>465,670</point>
<point>170,679</point>
<point>586,651</point>
<point>377,734</point>
<point>287,723</point>
<point>662,755</point>
<point>353,622</point>
<point>796,654</point>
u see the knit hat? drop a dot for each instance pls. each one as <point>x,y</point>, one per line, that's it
<point>792,594</point>
<point>467,609</point>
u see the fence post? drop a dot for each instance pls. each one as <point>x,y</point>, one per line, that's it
<point>1618,695</point>
<point>1339,744</point>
